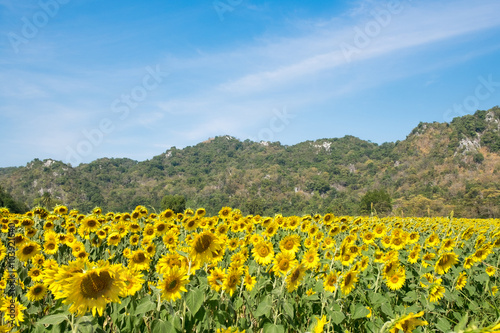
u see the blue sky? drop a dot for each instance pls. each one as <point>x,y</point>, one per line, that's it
<point>85,79</point>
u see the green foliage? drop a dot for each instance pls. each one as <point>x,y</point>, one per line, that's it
<point>375,201</point>
<point>319,184</point>
<point>175,202</point>
<point>14,206</point>
<point>434,162</point>
<point>478,158</point>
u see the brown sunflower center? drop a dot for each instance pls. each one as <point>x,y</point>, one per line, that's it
<point>95,285</point>
<point>203,243</point>
<point>139,258</point>
<point>172,284</point>
<point>27,250</point>
<point>263,251</point>
<point>38,290</point>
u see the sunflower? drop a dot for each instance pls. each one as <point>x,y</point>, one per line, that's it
<point>191,224</point>
<point>295,277</point>
<point>161,228</point>
<point>413,237</point>
<point>283,262</point>
<point>427,257</point>
<point>13,308</point>
<point>379,230</point>
<point>170,260</point>
<point>390,268</point>
<point>368,237</point>
<point>205,247</point>
<point>233,244</point>
<point>90,224</point>
<point>149,231</point>
<point>19,239</point>
<point>263,252</point>
<point>378,256</point>
<point>328,218</point>
<point>468,262</point>
<point>38,260</point>
<point>249,282</point>
<point>271,230</point>
<point>172,283</point>
<point>225,213</point>
<point>150,249</point>
<point>448,244</point>
<point>82,255</point>
<point>461,281</point>
<point>311,258</point>
<point>102,283</point>
<point>480,254</point>
<point>330,282</point>
<point>397,243</point>
<point>334,230</point>
<point>28,250</point>
<point>490,270</point>
<point>200,212</point>
<point>114,238</point>
<point>436,292</point>
<point>347,259</point>
<point>122,228</point>
<point>222,229</point>
<point>363,264</point>
<point>50,247</point>
<point>216,278</point>
<point>320,324</point>
<point>413,256</point>
<point>139,260</point>
<point>432,241</point>
<point>37,292</point>
<point>30,232</point>
<point>77,247</point>
<point>35,274</point>
<point>170,239</point>
<point>348,282</point>
<point>133,281</point>
<point>386,241</point>
<point>238,260</point>
<point>3,251</point>
<point>408,323</point>
<point>445,262</point>
<point>134,240</point>
<point>429,278</point>
<point>231,281</point>
<point>397,280</point>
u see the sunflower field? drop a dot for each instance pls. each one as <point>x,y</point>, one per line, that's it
<point>63,271</point>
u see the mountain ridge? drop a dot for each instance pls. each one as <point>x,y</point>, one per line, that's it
<point>437,168</point>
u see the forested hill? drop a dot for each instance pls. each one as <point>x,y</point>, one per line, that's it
<point>439,167</point>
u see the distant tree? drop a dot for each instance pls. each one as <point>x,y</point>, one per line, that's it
<point>46,200</point>
<point>377,200</point>
<point>176,202</point>
<point>478,158</point>
<point>255,206</point>
<point>14,206</point>
<point>318,184</point>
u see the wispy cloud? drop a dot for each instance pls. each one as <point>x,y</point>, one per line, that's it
<point>230,89</point>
